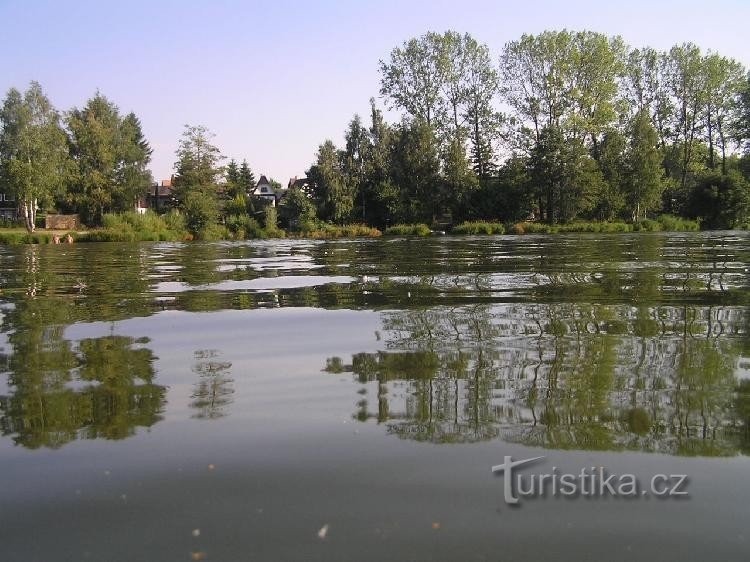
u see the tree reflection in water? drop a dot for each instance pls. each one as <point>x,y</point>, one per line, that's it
<point>565,376</point>
<point>213,391</point>
<point>100,388</point>
<point>60,390</point>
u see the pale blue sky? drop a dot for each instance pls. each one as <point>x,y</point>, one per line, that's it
<point>274,79</point>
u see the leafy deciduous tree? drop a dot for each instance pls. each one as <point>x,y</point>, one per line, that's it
<point>33,151</point>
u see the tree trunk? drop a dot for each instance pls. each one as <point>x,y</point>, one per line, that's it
<point>723,142</point>
<point>550,205</point>
<point>28,215</point>
<point>478,148</point>
<point>596,153</point>
<point>711,159</point>
<point>540,217</point>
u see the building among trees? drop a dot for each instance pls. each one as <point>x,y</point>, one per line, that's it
<point>267,191</point>
<point>8,207</point>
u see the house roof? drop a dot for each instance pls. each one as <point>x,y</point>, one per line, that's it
<point>263,181</point>
<point>163,190</point>
<point>297,182</point>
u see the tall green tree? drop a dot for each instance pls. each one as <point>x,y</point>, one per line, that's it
<point>596,64</point>
<point>741,120</point>
<point>414,77</point>
<point>198,167</point>
<point>416,173</point>
<point>612,164</point>
<point>447,81</point>
<point>481,85</point>
<point>198,170</point>
<point>297,210</point>
<point>643,172</point>
<point>232,177</point>
<point>110,155</point>
<point>723,80</point>
<point>33,151</point>
<point>567,181</point>
<point>132,177</point>
<point>333,193</point>
<point>459,181</point>
<point>380,193</point>
<point>562,79</point>
<point>686,85</point>
<point>246,177</point>
<point>356,151</point>
<point>644,88</point>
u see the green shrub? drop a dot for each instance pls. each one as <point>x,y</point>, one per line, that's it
<point>14,238</point>
<point>647,225</point>
<point>595,226</point>
<point>243,227</point>
<point>419,229</point>
<point>616,227</point>
<point>671,223</point>
<point>236,206</point>
<point>201,211</point>
<point>326,231</point>
<point>532,228</point>
<point>479,227</point>
<point>175,222</point>
<point>213,232</point>
<point>110,235</point>
<point>134,227</point>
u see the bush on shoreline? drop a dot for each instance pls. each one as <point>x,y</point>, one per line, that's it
<point>133,227</point>
<point>671,223</point>
<point>14,238</point>
<point>324,231</point>
<point>663,223</point>
<point>408,230</point>
<point>479,227</point>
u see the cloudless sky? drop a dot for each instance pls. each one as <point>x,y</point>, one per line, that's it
<point>274,79</point>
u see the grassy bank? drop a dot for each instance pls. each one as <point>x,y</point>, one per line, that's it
<point>664,223</point>
<point>15,236</point>
<point>479,227</point>
<point>408,230</point>
<point>324,231</point>
<point>132,227</point>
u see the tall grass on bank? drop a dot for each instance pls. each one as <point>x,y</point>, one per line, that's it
<point>243,227</point>
<point>135,227</point>
<point>583,226</point>
<point>13,238</point>
<point>408,230</point>
<point>663,223</point>
<point>670,223</point>
<point>479,227</point>
<point>324,231</point>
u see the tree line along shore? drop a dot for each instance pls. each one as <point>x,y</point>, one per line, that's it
<point>563,131</point>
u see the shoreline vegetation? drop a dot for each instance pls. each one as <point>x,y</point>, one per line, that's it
<point>563,131</point>
<point>149,227</point>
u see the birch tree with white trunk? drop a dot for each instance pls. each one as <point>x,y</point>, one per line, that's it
<point>33,151</point>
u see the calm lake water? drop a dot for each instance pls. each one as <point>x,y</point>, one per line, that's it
<point>346,400</point>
